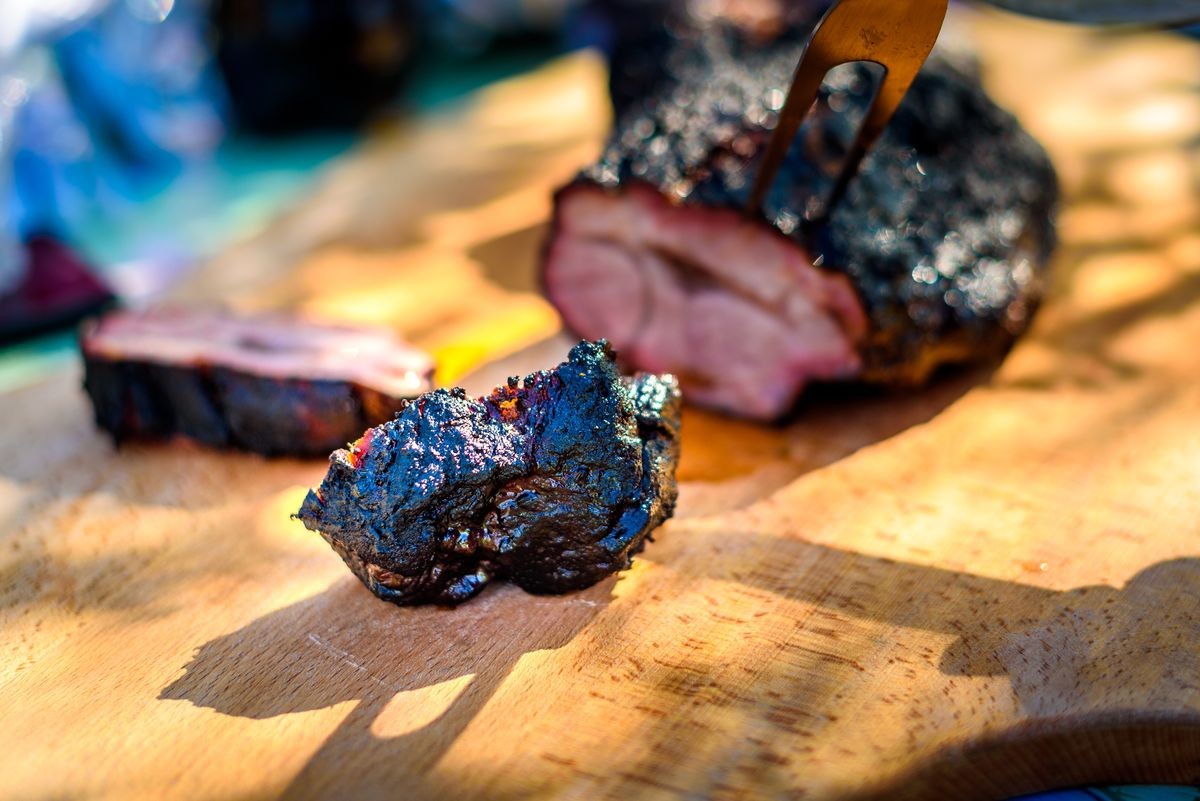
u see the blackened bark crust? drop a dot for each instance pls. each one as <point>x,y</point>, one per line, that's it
<point>551,483</point>
<point>945,233</point>
<point>225,408</point>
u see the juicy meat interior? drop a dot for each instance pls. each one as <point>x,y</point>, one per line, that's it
<point>734,309</point>
<point>268,346</point>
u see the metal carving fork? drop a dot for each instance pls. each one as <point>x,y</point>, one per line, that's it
<point>895,34</point>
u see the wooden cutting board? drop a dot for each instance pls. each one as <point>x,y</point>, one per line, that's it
<point>986,587</point>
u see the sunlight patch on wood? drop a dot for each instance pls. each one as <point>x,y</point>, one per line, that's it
<point>413,710</point>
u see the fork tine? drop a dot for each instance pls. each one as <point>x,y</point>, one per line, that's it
<point>896,35</point>
<point>806,83</point>
<point>888,98</point>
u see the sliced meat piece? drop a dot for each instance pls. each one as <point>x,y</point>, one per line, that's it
<point>275,385</point>
<point>552,483</point>
<point>936,254</point>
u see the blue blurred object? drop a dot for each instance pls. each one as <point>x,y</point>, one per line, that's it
<point>102,102</point>
<point>145,89</point>
<point>117,102</point>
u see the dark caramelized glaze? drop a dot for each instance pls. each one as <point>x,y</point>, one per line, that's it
<point>552,483</point>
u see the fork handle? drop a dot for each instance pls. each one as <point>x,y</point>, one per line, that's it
<point>896,35</point>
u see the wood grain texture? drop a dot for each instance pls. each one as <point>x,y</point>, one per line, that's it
<point>986,587</point>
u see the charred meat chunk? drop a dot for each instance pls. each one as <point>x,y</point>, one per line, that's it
<point>552,483</point>
<point>936,254</point>
<point>275,385</point>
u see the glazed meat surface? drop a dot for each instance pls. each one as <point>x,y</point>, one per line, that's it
<point>279,386</point>
<point>552,483</point>
<point>936,254</point>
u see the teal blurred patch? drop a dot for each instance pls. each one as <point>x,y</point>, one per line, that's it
<point>28,362</point>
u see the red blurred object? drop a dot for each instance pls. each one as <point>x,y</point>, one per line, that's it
<point>58,290</point>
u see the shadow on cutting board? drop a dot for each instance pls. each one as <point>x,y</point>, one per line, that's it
<point>1065,654</point>
<point>1061,651</point>
<point>345,645</point>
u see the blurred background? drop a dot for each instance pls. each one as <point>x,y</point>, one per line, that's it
<point>140,138</point>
